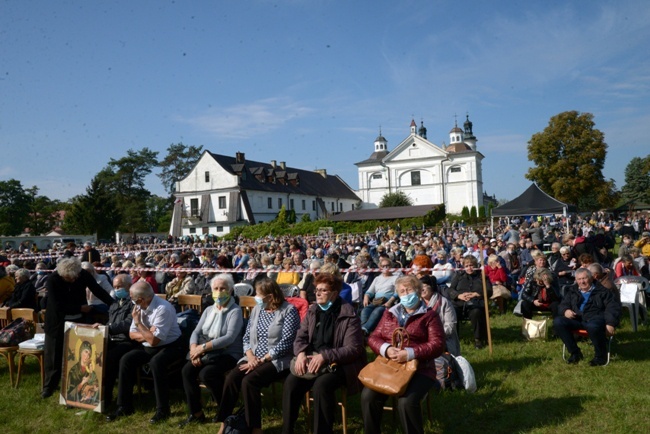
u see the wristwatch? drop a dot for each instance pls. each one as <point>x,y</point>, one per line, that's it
<point>204,346</point>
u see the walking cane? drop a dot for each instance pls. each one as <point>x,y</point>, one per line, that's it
<point>487,310</point>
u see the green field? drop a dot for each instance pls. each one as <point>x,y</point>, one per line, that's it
<point>525,387</point>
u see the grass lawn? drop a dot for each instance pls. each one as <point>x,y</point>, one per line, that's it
<point>525,387</point>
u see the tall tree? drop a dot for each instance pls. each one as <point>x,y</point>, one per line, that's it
<point>177,164</point>
<point>637,180</point>
<point>14,207</point>
<point>569,156</point>
<point>43,212</point>
<point>94,212</point>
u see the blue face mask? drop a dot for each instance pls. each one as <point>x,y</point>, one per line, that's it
<point>325,306</point>
<point>409,301</point>
<point>260,301</point>
<point>121,293</point>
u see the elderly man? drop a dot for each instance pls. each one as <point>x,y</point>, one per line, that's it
<point>587,305</point>
<point>119,324</point>
<point>90,253</point>
<point>154,326</point>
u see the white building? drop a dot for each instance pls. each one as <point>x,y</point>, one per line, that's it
<point>222,192</point>
<point>427,173</point>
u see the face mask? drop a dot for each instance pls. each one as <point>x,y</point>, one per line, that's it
<point>121,293</point>
<point>40,273</point>
<point>221,298</point>
<point>325,306</point>
<point>260,301</point>
<point>409,301</point>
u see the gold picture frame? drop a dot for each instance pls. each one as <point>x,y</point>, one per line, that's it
<point>84,354</point>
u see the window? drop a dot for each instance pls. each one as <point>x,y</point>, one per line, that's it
<point>304,204</point>
<point>222,202</point>
<point>313,205</point>
<point>192,230</point>
<point>455,169</point>
<point>332,206</point>
<point>279,202</point>
<point>269,203</point>
<point>207,176</point>
<point>194,207</point>
<point>290,203</point>
<point>340,207</point>
<point>376,176</point>
<point>415,177</point>
<point>219,228</point>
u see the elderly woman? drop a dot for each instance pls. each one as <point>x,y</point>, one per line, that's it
<point>426,342</point>
<point>268,349</point>
<point>24,294</point>
<point>542,293</point>
<point>306,285</point>
<point>7,284</point>
<point>66,301</point>
<point>215,347</point>
<point>443,270</point>
<point>466,292</point>
<point>181,284</point>
<point>565,267</point>
<point>443,307</point>
<point>498,278</point>
<point>102,280</point>
<point>329,354</point>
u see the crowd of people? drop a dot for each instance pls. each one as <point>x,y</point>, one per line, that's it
<point>359,288</point>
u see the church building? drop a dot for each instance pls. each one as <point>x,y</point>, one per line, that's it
<point>424,171</point>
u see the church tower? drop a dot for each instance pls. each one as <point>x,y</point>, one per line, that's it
<point>381,144</point>
<point>455,135</point>
<point>470,139</point>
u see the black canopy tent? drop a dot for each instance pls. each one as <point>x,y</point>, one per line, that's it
<point>533,201</point>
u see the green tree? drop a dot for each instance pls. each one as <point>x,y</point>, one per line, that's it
<point>637,180</point>
<point>158,210</point>
<point>43,212</point>
<point>569,156</point>
<point>94,212</point>
<point>399,198</point>
<point>464,213</point>
<point>177,164</point>
<point>305,218</point>
<point>14,207</point>
<point>473,216</point>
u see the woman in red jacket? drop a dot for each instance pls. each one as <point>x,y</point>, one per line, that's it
<point>498,278</point>
<point>426,342</point>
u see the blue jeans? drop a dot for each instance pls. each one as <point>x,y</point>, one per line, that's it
<point>370,316</point>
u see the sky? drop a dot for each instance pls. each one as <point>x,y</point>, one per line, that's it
<point>311,82</point>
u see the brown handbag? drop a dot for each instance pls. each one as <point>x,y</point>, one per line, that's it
<point>387,376</point>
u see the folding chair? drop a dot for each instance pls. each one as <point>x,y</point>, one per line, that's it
<point>583,334</point>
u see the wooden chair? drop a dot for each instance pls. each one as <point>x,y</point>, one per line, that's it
<point>342,403</point>
<point>31,315</point>
<point>163,296</point>
<point>8,353</point>
<point>247,304</point>
<point>187,301</point>
<point>393,408</point>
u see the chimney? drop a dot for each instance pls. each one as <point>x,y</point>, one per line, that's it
<point>322,172</point>
<point>283,165</point>
<point>240,158</point>
<point>273,163</point>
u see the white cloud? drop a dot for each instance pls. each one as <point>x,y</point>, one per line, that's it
<point>243,121</point>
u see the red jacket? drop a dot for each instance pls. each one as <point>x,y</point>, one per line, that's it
<point>496,274</point>
<point>426,336</point>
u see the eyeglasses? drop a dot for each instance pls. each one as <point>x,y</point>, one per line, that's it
<point>322,291</point>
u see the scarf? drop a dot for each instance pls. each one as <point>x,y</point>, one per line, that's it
<point>212,324</point>
<point>323,337</point>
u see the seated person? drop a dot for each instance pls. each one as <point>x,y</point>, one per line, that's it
<point>288,274</point>
<point>182,284</point>
<point>601,275</point>
<point>329,339</point>
<point>496,273</point>
<point>215,347</point>
<point>443,270</point>
<point>587,305</point>
<point>380,296</point>
<point>466,293</point>
<point>24,294</point>
<point>625,267</point>
<point>94,302</point>
<point>426,342</point>
<point>306,285</point>
<point>443,307</point>
<point>154,325</point>
<point>346,290</point>
<point>119,342</point>
<point>644,243</point>
<point>541,293</point>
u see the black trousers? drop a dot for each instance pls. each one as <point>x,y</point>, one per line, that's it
<point>212,375</point>
<point>596,329</point>
<point>323,390</point>
<point>53,358</point>
<point>159,360</point>
<point>111,369</point>
<point>527,309</point>
<point>251,385</point>
<point>476,317</point>
<point>408,406</point>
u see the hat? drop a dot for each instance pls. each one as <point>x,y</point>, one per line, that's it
<point>357,248</point>
<point>645,234</point>
<point>493,240</point>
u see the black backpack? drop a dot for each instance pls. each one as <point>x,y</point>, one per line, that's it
<point>447,370</point>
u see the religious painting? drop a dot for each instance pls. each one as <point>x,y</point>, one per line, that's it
<point>84,352</point>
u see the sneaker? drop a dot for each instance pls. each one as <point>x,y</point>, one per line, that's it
<point>575,358</point>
